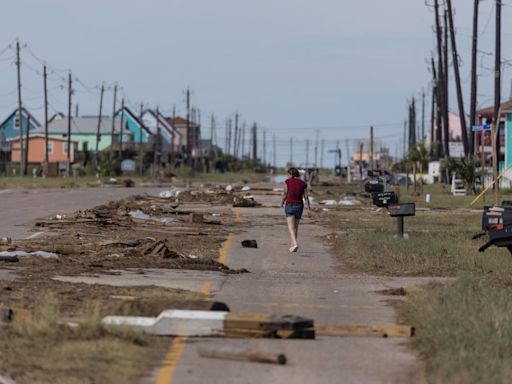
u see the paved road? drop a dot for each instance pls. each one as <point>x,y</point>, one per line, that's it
<point>20,207</point>
<point>307,283</point>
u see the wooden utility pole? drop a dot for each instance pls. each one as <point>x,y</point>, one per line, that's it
<point>474,78</point>
<point>121,131</point>
<point>274,150</point>
<point>307,153</point>
<point>70,92</point>
<point>98,130</point>
<point>322,145</point>
<point>497,100</point>
<point>114,116</point>
<point>422,138</point>
<point>440,75</point>
<point>242,151</point>
<point>438,153</point>
<point>460,101</point>
<point>237,134</point>
<point>141,150</point>
<point>20,108</point>
<point>446,83</point>
<point>432,119</point>
<point>404,151</point>
<point>189,134</point>
<point>46,159</point>
<point>157,146</point>
<point>371,148</point>
<point>255,142</point>
<point>265,148</point>
<point>27,139</point>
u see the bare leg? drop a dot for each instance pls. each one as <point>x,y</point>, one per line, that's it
<point>297,222</point>
<point>292,227</point>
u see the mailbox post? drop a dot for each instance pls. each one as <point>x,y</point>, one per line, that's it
<point>401,210</point>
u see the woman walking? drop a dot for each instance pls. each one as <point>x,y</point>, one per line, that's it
<point>295,193</point>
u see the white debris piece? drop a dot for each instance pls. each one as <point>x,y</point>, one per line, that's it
<point>229,188</point>
<point>246,188</point>
<point>329,202</point>
<point>43,254</point>
<point>137,214</point>
<point>175,322</point>
<point>173,192</point>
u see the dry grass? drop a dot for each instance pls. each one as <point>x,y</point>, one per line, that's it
<point>43,351</point>
<point>464,330</point>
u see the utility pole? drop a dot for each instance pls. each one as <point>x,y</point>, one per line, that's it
<point>460,101</point>
<point>230,136</point>
<point>77,107</point>
<point>307,153</point>
<point>405,139</point>
<point>497,99</point>
<point>440,75</point>
<point>316,148</point>
<point>121,131</point>
<point>98,130</point>
<point>189,134</point>
<point>446,125</point>
<point>242,153</point>
<point>255,142</point>
<point>438,152</point>
<point>371,149</point>
<point>474,78</point>
<point>70,92</point>
<point>45,77</point>
<point>274,150</point>
<point>322,144</point>
<point>114,117</point>
<point>432,118</point>
<point>141,150</point>
<point>291,151</point>
<point>20,108</point>
<point>423,116</point>
<point>27,137</point>
<point>157,147</point>
<point>265,148</point>
<point>237,134</point>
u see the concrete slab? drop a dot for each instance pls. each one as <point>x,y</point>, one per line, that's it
<point>166,278</point>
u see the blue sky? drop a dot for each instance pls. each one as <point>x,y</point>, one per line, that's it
<point>292,66</point>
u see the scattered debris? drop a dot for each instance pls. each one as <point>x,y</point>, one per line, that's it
<point>161,249</point>
<point>246,188</point>
<point>195,217</point>
<point>365,330</point>
<point>6,380</point>
<point>229,188</point>
<point>43,254</point>
<point>143,216</point>
<point>245,202</point>
<point>170,193</point>
<point>249,244</point>
<point>218,323</point>
<point>5,240</point>
<point>242,355</point>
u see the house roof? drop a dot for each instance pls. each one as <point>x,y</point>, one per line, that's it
<point>33,120</point>
<point>84,125</point>
<point>179,121</point>
<point>489,111</point>
<point>165,123</point>
<point>136,119</point>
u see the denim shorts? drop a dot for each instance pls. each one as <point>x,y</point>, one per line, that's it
<point>294,210</point>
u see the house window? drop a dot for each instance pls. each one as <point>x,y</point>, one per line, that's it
<point>65,146</point>
<point>17,121</point>
<point>50,148</point>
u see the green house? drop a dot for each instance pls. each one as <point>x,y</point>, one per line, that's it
<point>84,131</point>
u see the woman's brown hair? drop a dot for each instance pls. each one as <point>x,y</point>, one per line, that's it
<point>293,172</point>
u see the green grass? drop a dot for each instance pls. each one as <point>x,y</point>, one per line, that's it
<point>463,330</point>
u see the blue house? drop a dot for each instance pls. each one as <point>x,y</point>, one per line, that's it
<point>134,125</point>
<point>10,127</point>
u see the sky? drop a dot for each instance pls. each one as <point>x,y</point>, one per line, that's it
<point>325,69</point>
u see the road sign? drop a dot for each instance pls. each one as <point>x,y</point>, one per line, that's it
<point>479,128</point>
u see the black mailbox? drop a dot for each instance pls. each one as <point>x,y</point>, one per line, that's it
<point>384,199</point>
<point>372,186</point>
<point>402,209</point>
<point>497,224</point>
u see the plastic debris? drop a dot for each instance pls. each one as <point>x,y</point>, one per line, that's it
<point>329,202</point>
<point>229,188</point>
<point>143,216</point>
<point>43,254</point>
<point>174,192</point>
<point>246,188</point>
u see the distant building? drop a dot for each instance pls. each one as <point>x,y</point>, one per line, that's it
<point>133,123</point>
<point>169,136</point>
<point>57,150</point>
<point>10,127</point>
<point>180,124</point>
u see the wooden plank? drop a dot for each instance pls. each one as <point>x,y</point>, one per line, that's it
<point>365,330</point>
<point>230,353</point>
<point>246,321</point>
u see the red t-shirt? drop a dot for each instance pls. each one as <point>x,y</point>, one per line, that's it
<point>296,188</point>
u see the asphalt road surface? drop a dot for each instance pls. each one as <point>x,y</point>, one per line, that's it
<point>309,283</point>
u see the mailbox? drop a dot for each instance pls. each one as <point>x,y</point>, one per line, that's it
<point>384,199</point>
<point>497,224</point>
<point>402,209</point>
<point>372,186</point>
